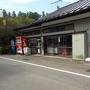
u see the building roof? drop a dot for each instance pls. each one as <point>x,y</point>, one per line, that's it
<point>79,6</point>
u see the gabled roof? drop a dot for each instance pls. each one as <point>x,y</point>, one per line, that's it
<point>79,6</point>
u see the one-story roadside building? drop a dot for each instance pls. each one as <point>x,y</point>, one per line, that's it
<point>64,32</point>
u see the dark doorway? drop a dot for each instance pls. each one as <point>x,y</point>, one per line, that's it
<point>65,46</point>
<point>58,45</point>
<point>35,45</point>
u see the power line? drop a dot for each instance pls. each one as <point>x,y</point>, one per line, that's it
<point>56,1</point>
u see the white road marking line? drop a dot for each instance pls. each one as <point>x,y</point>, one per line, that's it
<point>55,69</point>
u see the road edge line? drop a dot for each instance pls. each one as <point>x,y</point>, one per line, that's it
<point>50,68</point>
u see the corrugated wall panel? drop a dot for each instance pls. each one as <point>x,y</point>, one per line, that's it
<point>78,48</point>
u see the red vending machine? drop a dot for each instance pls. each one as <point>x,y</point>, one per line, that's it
<point>21,44</point>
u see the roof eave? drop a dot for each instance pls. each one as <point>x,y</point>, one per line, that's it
<point>55,18</point>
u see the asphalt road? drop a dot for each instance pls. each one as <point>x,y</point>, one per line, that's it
<point>20,76</point>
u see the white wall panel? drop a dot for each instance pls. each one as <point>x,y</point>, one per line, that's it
<point>78,48</point>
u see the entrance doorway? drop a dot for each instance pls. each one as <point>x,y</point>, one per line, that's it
<point>60,45</point>
<point>35,45</point>
<point>51,45</point>
<point>65,46</point>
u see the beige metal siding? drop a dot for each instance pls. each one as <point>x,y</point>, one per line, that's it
<point>81,25</point>
<point>78,48</point>
<point>84,25</point>
<point>88,38</point>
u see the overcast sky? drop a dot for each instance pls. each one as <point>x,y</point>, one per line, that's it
<point>32,5</point>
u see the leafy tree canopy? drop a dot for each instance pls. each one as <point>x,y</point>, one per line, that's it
<point>12,20</point>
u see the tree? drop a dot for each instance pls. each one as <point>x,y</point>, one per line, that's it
<point>43,13</point>
<point>14,21</point>
<point>20,13</point>
<point>13,14</point>
<point>9,14</point>
<point>33,15</point>
<point>4,13</point>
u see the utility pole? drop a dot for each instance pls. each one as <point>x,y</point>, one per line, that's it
<point>56,2</point>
